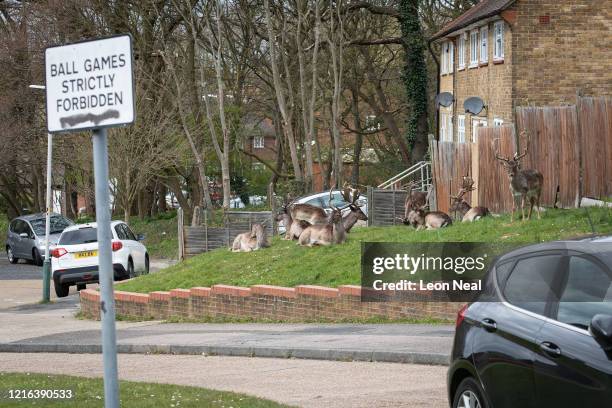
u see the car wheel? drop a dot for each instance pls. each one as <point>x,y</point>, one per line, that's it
<point>469,395</point>
<point>36,258</point>
<point>81,286</point>
<point>10,256</point>
<point>61,290</point>
<point>146,270</point>
<point>130,269</point>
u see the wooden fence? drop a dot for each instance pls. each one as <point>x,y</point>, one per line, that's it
<point>570,145</point>
<point>385,207</point>
<point>195,240</point>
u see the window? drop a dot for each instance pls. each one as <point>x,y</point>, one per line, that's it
<point>498,122</point>
<point>451,58</point>
<point>444,58</point>
<point>461,51</point>
<point>120,233</point>
<point>484,47</point>
<point>85,235</point>
<point>530,283</point>
<point>258,142</point>
<point>498,29</point>
<point>449,127</point>
<point>372,123</point>
<point>588,292</point>
<point>474,48</point>
<point>461,128</point>
<point>443,123</point>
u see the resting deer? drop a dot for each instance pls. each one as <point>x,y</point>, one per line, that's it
<point>414,199</point>
<point>309,213</point>
<point>420,219</point>
<point>332,232</point>
<point>351,195</point>
<point>251,241</point>
<point>524,184</point>
<point>293,229</point>
<point>468,213</point>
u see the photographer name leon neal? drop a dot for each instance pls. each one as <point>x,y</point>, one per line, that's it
<point>404,284</point>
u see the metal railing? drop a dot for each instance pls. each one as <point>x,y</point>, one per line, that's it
<point>422,170</point>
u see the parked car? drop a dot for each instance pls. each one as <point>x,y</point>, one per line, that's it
<point>26,237</point>
<point>322,200</point>
<point>75,258</point>
<point>540,333</point>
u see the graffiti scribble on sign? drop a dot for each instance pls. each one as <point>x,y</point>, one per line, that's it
<point>70,121</point>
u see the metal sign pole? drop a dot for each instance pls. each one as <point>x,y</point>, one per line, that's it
<point>47,262</point>
<point>105,271</point>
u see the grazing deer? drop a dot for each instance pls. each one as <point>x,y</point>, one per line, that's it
<point>468,213</point>
<point>414,199</point>
<point>332,232</point>
<point>351,195</point>
<point>251,241</point>
<point>524,184</point>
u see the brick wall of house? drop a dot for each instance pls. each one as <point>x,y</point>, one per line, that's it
<point>263,302</point>
<point>559,47</point>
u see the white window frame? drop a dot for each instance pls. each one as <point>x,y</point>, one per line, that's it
<point>461,128</point>
<point>451,58</point>
<point>498,122</point>
<point>259,142</point>
<point>498,36</point>
<point>461,51</point>
<point>449,127</point>
<point>443,59</point>
<point>474,46</point>
<point>484,44</point>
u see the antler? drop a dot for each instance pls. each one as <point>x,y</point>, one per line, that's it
<point>466,186</point>
<point>497,155</point>
<point>518,157</point>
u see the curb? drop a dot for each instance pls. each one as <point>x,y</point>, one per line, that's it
<point>264,352</point>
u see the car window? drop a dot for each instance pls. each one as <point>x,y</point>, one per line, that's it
<point>80,236</point>
<point>318,202</point>
<point>128,232</point>
<point>530,285</point>
<point>323,201</point>
<point>587,292</point>
<point>120,232</point>
<point>57,224</point>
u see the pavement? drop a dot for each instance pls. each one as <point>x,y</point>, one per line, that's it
<point>305,383</point>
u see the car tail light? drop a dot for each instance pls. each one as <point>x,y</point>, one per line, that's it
<point>461,315</point>
<point>58,252</point>
<point>117,245</point>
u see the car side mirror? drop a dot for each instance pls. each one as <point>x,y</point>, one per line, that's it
<point>140,237</point>
<point>24,235</point>
<point>601,330</point>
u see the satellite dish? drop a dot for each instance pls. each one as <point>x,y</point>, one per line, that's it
<point>473,105</point>
<point>445,99</point>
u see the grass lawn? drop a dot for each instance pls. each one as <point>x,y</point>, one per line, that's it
<point>89,392</point>
<point>286,264</point>
<point>160,235</point>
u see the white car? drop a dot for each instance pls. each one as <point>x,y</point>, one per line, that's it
<point>75,257</point>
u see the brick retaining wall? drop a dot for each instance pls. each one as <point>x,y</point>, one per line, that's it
<point>264,302</point>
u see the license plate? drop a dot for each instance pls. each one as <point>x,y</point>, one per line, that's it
<point>86,254</point>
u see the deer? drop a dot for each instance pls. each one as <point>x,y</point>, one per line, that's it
<point>351,195</point>
<point>524,184</point>
<point>414,199</point>
<point>309,213</point>
<point>293,228</point>
<point>256,239</point>
<point>330,233</point>
<point>420,219</point>
<point>468,213</point>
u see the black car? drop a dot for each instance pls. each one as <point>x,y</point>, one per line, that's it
<point>540,332</point>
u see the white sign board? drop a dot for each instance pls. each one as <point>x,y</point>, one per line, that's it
<point>89,84</point>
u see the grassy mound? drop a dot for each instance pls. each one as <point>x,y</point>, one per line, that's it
<point>286,264</point>
<point>89,392</point>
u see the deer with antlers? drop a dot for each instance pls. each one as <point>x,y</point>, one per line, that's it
<point>524,184</point>
<point>468,213</point>
<point>293,228</point>
<point>351,195</point>
<point>414,199</point>
<point>330,233</point>
<point>251,241</point>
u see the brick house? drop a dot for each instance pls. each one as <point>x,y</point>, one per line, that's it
<point>521,52</point>
<point>260,141</point>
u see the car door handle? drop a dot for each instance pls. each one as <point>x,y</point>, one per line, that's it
<point>550,348</point>
<point>489,324</point>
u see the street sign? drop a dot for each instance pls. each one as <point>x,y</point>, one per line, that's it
<point>89,84</point>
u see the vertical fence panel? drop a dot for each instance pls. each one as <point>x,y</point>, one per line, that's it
<point>451,162</point>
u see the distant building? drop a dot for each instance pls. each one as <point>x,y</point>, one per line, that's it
<point>521,52</point>
<point>260,141</point>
